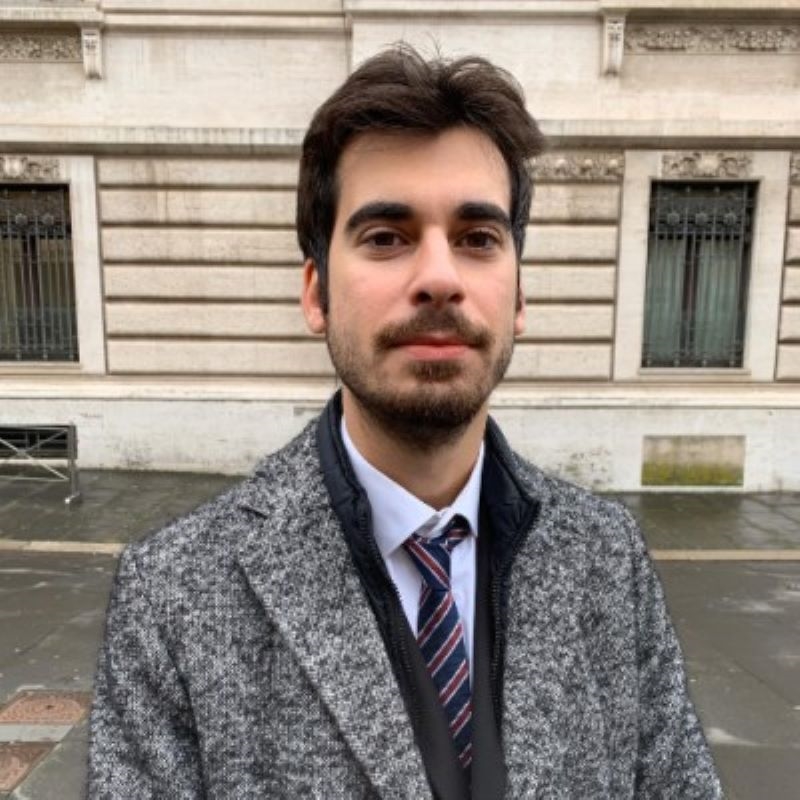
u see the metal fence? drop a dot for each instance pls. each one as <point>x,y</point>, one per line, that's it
<point>698,266</point>
<point>32,452</point>
<point>37,286</point>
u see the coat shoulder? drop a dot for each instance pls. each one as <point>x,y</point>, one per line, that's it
<point>577,512</point>
<point>207,537</point>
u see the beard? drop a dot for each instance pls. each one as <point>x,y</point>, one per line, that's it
<point>445,397</point>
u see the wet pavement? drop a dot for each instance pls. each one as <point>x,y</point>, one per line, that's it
<point>730,566</point>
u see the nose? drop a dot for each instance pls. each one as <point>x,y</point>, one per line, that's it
<point>436,278</point>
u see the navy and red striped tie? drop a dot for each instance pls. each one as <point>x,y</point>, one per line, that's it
<point>440,634</point>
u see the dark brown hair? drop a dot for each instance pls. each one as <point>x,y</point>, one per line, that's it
<point>398,90</point>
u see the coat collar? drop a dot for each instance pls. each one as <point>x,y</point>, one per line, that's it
<point>298,564</point>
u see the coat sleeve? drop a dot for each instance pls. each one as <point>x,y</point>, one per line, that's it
<point>142,738</point>
<point>674,761</point>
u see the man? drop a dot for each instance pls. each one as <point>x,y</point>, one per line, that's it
<point>396,605</point>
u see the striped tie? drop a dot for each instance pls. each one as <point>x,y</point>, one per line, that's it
<point>439,631</point>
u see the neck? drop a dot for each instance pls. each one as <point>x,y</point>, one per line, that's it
<point>434,475</point>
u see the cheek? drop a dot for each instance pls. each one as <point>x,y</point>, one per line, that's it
<point>497,299</point>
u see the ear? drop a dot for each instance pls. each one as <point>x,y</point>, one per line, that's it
<point>310,299</point>
<point>519,317</point>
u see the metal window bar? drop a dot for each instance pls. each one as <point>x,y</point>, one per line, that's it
<point>38,319</point>
<point>27,453</point>
<point>698,274</point>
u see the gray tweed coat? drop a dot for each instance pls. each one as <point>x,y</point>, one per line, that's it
<point>242,660</point>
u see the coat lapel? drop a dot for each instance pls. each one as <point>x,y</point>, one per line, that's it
<point>298,564</point>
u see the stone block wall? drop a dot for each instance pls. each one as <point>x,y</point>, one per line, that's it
<point>789,336</point>
<point>569,267</point>
<point>202,269</point>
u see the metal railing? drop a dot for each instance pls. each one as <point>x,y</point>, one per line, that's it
<point>698,268</point>
<point>28,452</point>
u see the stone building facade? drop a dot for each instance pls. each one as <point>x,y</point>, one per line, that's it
<point>662,269</point>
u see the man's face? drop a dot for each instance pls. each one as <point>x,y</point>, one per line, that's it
<point>422,279</point>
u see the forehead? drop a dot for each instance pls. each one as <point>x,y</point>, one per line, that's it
<point>451,167</point>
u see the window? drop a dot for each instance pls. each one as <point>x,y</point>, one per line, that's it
<point>697,274</point>
<point>37,288</point>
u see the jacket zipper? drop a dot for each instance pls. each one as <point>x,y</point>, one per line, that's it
<point>500,586</point>
<point>398,641</point>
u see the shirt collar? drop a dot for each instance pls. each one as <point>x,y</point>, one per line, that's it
<point>396,513</point>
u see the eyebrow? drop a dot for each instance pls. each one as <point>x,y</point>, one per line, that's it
<point>379,210</point>
<point>488,212</point>
<point>471,211</point>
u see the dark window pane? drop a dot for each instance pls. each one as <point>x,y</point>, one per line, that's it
<point>37,290</point>
<point>697,274</point>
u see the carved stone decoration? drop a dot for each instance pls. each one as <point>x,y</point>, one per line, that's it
<point>39,46</point>
<point>706,165</point>
<point>794,174</point>
<point>712,38</point>
<point>613,42</point>
<point>29,169</point>
<point>92,52</point>
<point>581,165</point>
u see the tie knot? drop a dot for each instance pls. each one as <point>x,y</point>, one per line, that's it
<point>432,556</point>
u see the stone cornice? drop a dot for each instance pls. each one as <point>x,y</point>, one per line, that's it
<point>676,27</point>
<point>556,8</point>
<point>494,9</point>
<point>562,135</point>
<point>686,8</point>
<point>264,23</point>
<point>134,140</point>
<point>264,16</point>
<point>325,14</point>
<point>81,14</point>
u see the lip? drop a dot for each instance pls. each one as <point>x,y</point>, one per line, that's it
<point>434,348</point>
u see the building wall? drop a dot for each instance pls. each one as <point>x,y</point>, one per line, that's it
<point>789,336</point>
<point>177,126</point>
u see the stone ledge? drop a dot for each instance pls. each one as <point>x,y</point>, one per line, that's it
<point>496,9</point>
<point>287,20</point>
<point>169,140</point>
<point>53,16</point>
<point>316,391</point>
<point>134,140</point>
<point>664,7</point>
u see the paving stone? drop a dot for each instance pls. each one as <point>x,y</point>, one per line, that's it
<point>61,775</point>
<point>111,509</point>
<point>760,773</point>
<point>17,760</point>
<point>52,611</point>
<point>46,708</point>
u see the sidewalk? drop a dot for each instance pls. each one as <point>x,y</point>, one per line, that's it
<point>730,566</point>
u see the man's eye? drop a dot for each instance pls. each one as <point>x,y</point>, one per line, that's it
<point>383,239</point>
<point>480,240</point>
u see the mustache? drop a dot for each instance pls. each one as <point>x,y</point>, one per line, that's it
<point>446,321</point>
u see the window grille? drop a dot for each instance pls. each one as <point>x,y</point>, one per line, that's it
<point>37,288</point>
<point>698,268</point>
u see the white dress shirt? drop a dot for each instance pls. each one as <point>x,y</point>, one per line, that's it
<point>396,514</point>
